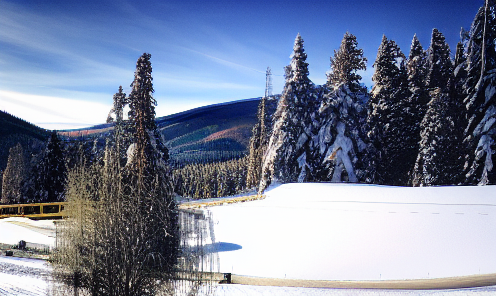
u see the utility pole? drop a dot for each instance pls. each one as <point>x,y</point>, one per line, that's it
<point>268,83</point>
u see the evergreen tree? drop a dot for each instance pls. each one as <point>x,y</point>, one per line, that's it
<point>287,152</point>
<point>340,138</point>
<point>51,172</point>
<point>480,90</point>
<point>439,159</point>
<point>122,237</point>
<point>149,171</point>
<point>14,176</point>
<point>345,63</point>
<point>439,64</point>
<point>339,144</point>
<point>416,69</point>
<point>435,164</point>
<point>258,144</point>
<point>120,101</point>
<point>388,122</point>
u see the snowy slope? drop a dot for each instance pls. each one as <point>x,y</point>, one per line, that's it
<point>360,232</point>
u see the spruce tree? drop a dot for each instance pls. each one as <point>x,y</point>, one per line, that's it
<point>439,64</point>
<point>416,69</point>
<point>388,122</point>
<point>287,152</point>
<point>340,140</point>
<point>258,145</point>
<point>14,176</point>
<point>480,90</point>
<point>437,162</point>
<point>51,181</point>
<point>439,159</point>
<point>149,171</point>
<point>345,64</point>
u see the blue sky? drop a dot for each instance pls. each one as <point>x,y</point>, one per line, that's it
<point>61,61</point>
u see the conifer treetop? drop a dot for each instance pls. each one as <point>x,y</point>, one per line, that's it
<point>299,66</point>
<point>346,62</point>
<point>439,65</point>
<point>388,65</point>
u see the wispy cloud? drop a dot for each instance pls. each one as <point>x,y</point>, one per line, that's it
<point>225,62</point>
<point>53,112</point>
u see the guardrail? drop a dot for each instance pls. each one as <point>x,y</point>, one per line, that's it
<point>57,209</point>
<point>34,210</point>
<point>219,202</point>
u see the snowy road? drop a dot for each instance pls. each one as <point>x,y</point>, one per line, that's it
<point>20,276</point>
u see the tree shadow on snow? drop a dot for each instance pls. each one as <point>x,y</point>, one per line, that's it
<point>221,247</point>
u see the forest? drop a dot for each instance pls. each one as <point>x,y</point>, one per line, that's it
<point>428,120</point>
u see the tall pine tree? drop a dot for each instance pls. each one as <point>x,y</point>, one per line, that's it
<point>345,64</point>
<point>480,90</point>
<point>288,149</point>
<point>388,119</point>
<point>340,140</point>
<point>14,176</point>
<point>51,175</point>
<point>439,159</point>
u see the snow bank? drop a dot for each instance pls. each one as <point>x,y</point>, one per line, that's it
<point>360,232</point>
<point>12,230</point>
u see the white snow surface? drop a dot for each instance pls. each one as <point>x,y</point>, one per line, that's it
<point>360,232</point>
<point>13,230</point>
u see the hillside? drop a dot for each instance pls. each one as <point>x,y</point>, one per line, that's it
<point>205,134</point>
<point>14,130</point>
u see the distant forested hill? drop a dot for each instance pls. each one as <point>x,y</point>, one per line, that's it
<point>206,134</point>
<point>14,130</point>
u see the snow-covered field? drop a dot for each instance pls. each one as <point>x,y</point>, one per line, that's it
<point>360,232</point>
<point>12,230</point>
<point>324,232</point>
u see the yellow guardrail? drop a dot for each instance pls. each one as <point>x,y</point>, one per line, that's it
<point>57,209</point>
<point>34,210</point>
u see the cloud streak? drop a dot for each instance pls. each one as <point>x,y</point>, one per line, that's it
<point>53,112</point>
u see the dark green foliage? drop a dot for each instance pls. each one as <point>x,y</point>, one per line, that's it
<point>480,100</point>
<point>50,172</point>
<point>118,107</point>
<point>14,130</point>
<point>437,162</point>
<point>14,176</point>
<point>259,141</point>
<point>345,63</point>
<point>388,122</point>
<point>289,144</point>
<point>439,64</point>
<point>212,180</point>
<point>122,236</point>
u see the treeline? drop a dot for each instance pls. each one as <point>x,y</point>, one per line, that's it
<point>428,120</point>
<point>211,180</point>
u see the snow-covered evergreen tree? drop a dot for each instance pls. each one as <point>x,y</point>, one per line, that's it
<point>388,122</point>
<point>148,171</point>
<point>437,162</point>
<point>120,101</point>
<point>286,156</point>
<point>439,159</point>
<point>480,90</point>
<point>51,172</point>
<point>419,97</point>
<point>339,144</point>
<point>439,64</point>
<point>340,139</point>
<point>14,175</point>
<point>258,144</point>
<point>345,63</point>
